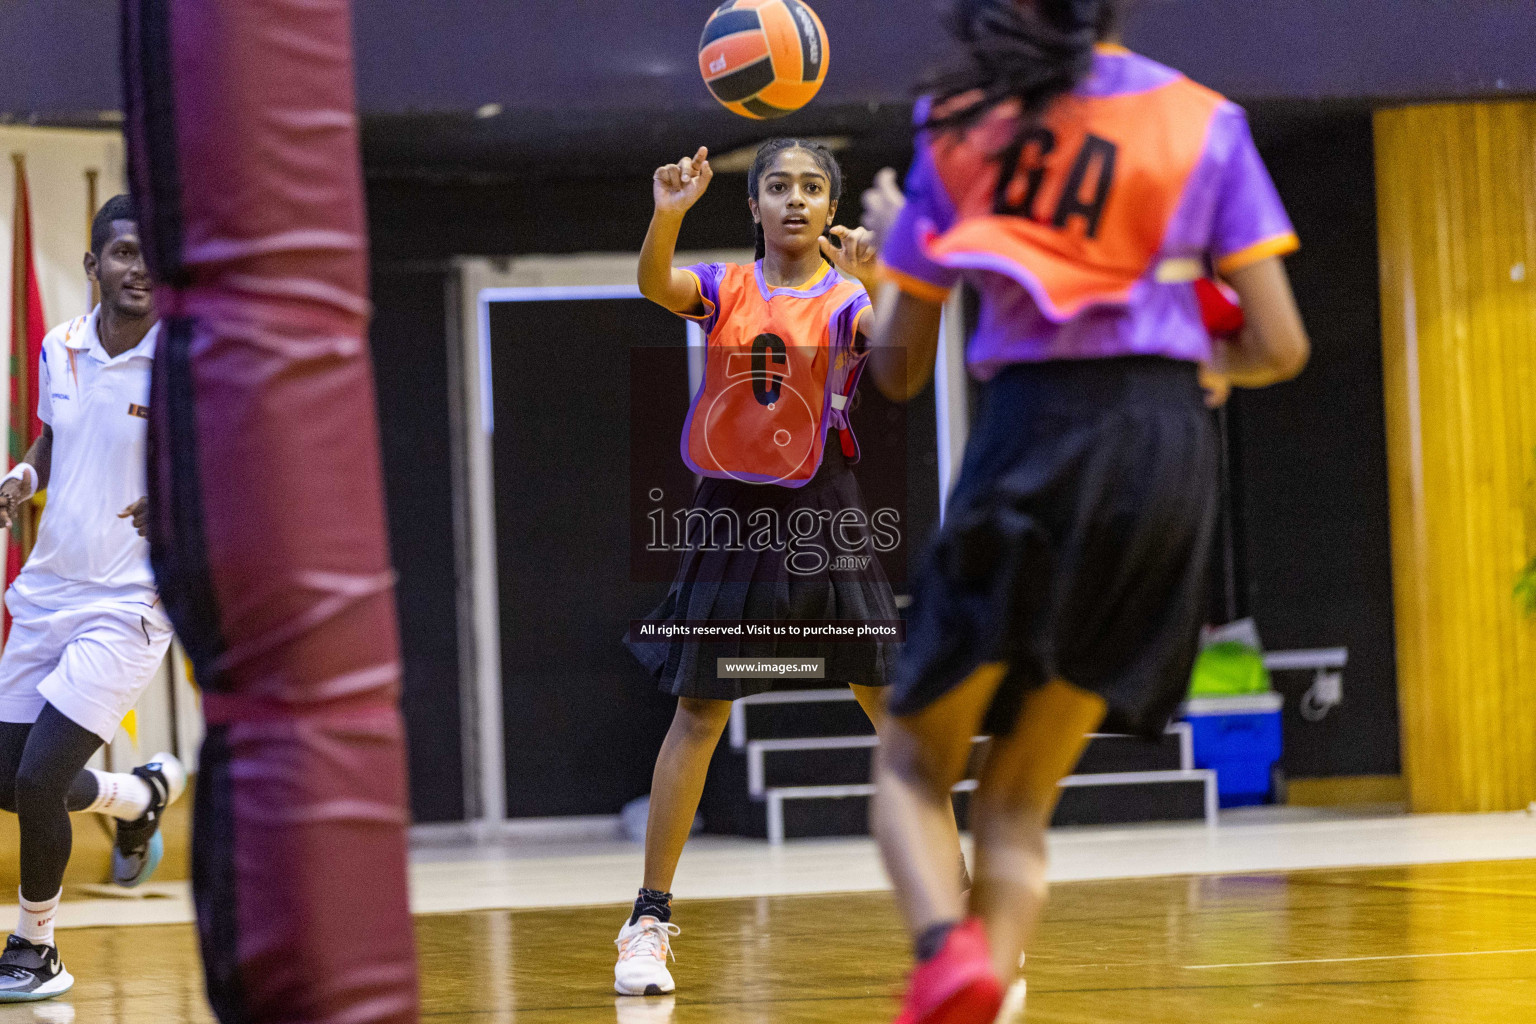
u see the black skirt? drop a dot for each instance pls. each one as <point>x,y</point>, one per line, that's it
<point>716,583</point>
<point>1076,545</point>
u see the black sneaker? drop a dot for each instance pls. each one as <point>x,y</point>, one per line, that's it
<point>29,973</point>
<point>139,846</point>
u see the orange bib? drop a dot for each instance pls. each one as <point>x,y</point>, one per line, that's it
<point>1077,209</point>
<point>779,372</point>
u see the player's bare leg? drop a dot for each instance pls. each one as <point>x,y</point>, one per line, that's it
<point>1011,812</point>
<point>921,758</point>
<point>677,785</point>
<point>872,700</point>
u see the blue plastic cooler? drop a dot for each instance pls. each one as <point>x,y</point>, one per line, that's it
<point>1239,738</point>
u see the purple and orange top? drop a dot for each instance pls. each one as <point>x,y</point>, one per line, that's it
<point>1084,237</point>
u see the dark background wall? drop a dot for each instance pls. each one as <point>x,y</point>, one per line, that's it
<point>582,720</point>
<point>1309,457</point>
<point>593,55</point>
<point>410,357</point>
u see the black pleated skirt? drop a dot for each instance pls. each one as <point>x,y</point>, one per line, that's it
<point>1076,545</point>
<point>715,584</point>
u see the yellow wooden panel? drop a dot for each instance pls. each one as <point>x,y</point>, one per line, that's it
<point>1456,196</point>
<point>1345,790</point>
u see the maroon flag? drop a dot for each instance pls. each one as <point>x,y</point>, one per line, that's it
<point>28,329</point>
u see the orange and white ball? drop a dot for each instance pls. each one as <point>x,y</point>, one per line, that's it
<point>763,58</point>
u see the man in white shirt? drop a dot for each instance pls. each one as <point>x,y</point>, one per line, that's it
<point>88,632</point>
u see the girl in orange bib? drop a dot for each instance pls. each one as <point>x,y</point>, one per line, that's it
<point>768,432</point>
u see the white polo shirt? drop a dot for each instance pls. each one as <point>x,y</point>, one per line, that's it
<point>98,407</point>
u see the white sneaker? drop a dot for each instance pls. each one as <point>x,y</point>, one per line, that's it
<point>1012,1011</point>
<point>140,846</point>
<point>644,948</point>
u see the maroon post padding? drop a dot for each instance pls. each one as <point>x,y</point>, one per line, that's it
<point>269,531</point>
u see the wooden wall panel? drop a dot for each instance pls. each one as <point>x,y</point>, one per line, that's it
<point>1456,195</point>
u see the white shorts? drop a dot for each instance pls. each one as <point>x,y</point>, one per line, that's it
<point>92,662</point>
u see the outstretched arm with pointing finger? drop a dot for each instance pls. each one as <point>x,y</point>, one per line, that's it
<point>675,187</point>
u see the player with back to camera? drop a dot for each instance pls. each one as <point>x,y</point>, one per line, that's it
<point>798,316</point>
<point>1084,192</point>
<point>88,632</point>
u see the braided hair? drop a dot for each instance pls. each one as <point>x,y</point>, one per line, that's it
<point>1029,51</point>
<point>764,159</point>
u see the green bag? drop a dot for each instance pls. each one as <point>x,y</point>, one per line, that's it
<point>1229,669</point>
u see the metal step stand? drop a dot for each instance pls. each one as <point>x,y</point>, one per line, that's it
<point>1109,763</point>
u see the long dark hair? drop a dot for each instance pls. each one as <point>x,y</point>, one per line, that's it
<point>764,158</point>
<point>1029,51</point>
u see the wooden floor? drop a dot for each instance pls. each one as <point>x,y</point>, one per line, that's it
<point>1443,944</point>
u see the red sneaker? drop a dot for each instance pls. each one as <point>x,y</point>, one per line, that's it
<point>957,986</point>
